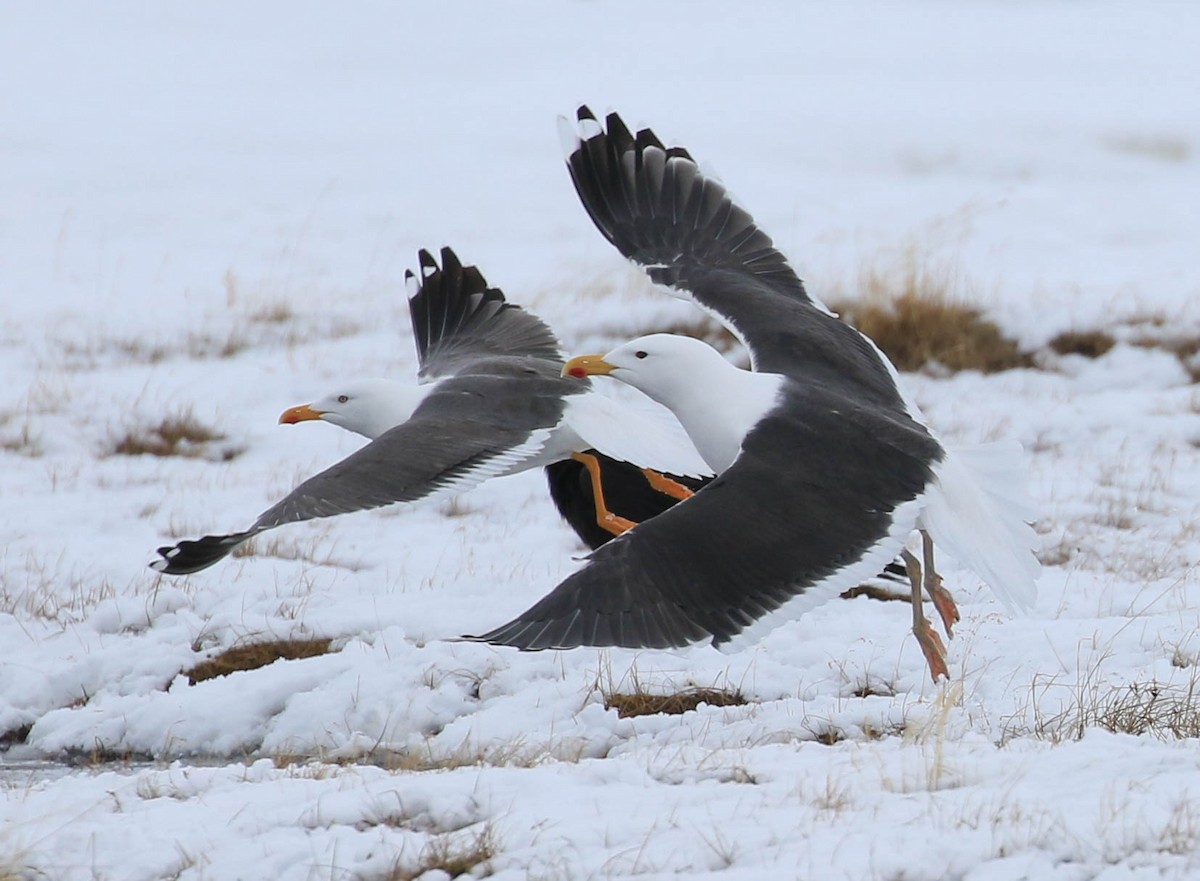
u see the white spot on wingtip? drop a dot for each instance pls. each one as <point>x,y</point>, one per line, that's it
<point>159,565</point>
<point>568,138</point>
<point>411,284</point>
<point>589,128</point>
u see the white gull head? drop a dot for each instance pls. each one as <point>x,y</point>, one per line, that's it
<point>368,406</point>
<point>716,402</point>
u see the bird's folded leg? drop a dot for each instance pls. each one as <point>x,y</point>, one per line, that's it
<point>927,638</point>
<point>614,523</point>
<point>942,599</point>
<point>666,485</point>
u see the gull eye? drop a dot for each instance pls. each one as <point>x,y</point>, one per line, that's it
<point>343,399</point>
<point>639,355</point>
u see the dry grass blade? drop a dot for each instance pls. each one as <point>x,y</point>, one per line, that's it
<point>255,655</point>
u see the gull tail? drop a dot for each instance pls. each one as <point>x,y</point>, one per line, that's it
<point>978,512</point>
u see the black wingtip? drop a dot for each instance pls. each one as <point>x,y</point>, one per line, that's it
<point>192,556</point>
<point>659,210</point>
<point>455,312</point>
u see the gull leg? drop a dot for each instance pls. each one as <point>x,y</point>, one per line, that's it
<point>666,485</point>
<point>927,638</point>
<point>943,600</point>
<point>614,523</point>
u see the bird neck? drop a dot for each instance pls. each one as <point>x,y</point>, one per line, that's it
<point>718,410</point>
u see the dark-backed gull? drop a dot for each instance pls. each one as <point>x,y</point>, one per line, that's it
<point>825,467</point>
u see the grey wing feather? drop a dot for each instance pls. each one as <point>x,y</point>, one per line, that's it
<point>456,318</point>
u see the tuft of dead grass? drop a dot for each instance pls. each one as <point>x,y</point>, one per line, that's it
<point>180,434</point>
<point>22,440</point>
<point>1154,708</point>
<point>1088,343</point>
<point>255,655</point>
<point>1151,708</point>
<point>642,703</point>
<point>278,312</point>
<point>14,736</point>
<point>917,328</point>
<point>456,855</point>
<point>917,313</point>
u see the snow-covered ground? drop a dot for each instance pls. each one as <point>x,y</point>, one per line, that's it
<point>208,209</point>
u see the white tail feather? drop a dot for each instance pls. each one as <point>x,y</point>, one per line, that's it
<point>977,512</point>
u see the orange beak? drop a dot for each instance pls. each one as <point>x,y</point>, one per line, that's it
<point>303,413</point>
<point>587,365</point>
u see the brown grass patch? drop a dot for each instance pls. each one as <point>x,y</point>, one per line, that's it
<point>255,655</point>
<point>178,435</point>
<point>14,736</point>
<point>917,316</point>
<point>1089,343</point>
<point>641,703</point>
<point>916,329</point>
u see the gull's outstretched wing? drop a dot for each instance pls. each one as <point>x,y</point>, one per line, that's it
<point>467,430</point>
<point>763,535</point>
<point>457,319</point>
<point>656,206</point>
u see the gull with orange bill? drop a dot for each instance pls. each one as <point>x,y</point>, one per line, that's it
<point>494,403</point>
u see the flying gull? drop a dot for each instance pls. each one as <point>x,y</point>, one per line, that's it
<point>825,467</point>
<point>370,407</point>
<point>495,404</point>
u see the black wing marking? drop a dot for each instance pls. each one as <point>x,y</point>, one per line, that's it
<point>685,230</point>
<point>758,535</point>
<point>456,317</point>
